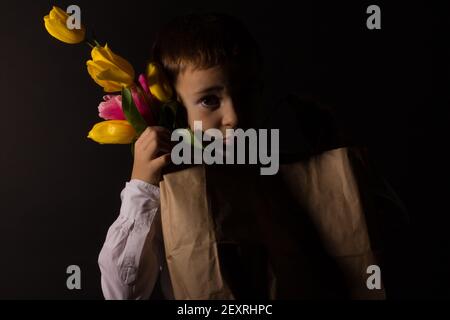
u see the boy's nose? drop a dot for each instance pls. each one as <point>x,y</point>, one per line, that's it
<point>230,118</point>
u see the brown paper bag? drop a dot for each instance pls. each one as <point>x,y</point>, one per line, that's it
<point>327,188</point>
<point>230,233</point>
<point>189,238</point>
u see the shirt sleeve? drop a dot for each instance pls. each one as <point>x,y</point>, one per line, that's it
<point>130,259</point>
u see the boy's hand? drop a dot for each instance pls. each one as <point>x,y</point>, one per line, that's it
<point>151,153</point>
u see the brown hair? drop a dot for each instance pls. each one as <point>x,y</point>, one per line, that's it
<point>204,41</point>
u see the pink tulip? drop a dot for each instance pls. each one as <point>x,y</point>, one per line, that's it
<point>111,107</point>
<point>144,84</point>
<point>149,98</point>
<point>143,107</point>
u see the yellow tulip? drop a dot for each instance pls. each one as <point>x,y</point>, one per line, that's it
<point>55,23</point>
<point>109,70</point>
<point>158,83</point>
<point>113,132</point>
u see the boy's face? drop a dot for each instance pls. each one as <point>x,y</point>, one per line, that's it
<point>211,96</point>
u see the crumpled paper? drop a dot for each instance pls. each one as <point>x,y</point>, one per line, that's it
<point>230,233</point>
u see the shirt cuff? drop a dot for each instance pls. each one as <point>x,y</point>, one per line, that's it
<point>144,186</point>
<point>140,200</point>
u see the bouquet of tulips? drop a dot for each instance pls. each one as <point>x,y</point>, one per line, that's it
<point>148,102</point>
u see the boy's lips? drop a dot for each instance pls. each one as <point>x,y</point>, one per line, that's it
<point>228,139</point>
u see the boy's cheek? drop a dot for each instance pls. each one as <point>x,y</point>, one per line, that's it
<point>208,121</point>
<point>205,124</point>
<point>195,114</point>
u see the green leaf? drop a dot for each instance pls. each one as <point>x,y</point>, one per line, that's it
<point>131,112</point>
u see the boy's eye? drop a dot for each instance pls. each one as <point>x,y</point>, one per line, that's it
<point>210,102</point>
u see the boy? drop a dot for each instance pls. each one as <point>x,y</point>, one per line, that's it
<point>214,65</point>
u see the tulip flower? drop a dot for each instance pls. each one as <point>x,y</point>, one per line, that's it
<point>150,99</point>
<point>113,132</point>
<point>55,23</point>
<point>111,107</point>
<point>144,83</point>
<point>158,83</point>
<point>109,70</point>
<point>142,106</point>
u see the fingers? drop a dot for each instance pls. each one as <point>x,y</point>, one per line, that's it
<point>154,140</point>
<point>157,143</point>
<point>152,152</point>
<point>154,133</point>
<point>151,131</point>
<point>162,161</point>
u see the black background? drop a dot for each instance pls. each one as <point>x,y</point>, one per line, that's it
<point>59,191</point>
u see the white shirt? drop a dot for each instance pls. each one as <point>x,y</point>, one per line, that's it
<point>133,255</point>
